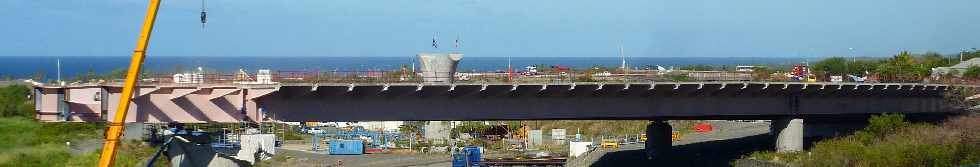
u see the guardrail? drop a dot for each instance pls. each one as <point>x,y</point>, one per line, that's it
<point>514,77</point>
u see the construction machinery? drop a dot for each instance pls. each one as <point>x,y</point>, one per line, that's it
<point>675,136</point>
<point>801,72</point>
<point>117,125</point>
<point>610,143</point>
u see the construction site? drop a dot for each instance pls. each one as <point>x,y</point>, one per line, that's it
<point>424,109</point>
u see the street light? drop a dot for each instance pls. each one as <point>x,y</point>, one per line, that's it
<point>847,65</point>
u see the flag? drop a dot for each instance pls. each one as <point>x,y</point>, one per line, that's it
<point>434,45</point>
<point>457,42</point>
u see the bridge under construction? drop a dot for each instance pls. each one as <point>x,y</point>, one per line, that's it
<point>786,103</point>
<point>198,103</point>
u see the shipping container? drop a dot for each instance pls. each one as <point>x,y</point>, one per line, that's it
<point>346,147</point>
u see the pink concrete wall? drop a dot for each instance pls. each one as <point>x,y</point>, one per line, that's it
<point>84,105</point>
<point>48,109</point>
<point>156,104</point>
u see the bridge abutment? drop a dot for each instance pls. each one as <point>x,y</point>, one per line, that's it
<point>788,133</point>
<point>658,138</point>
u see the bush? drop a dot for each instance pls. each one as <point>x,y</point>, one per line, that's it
<point>879,126</point>
<point>973,72</point>
<point>890,141</point>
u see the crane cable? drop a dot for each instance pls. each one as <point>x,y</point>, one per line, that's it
<point>204,13</point>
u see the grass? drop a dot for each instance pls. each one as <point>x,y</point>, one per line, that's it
<point>131,153</point>
<point>26,142</point>
<point>30,143</point>
<point>890,141</point>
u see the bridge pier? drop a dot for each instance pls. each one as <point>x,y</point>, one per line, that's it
<point>789,134</point>
<point>658,139</point>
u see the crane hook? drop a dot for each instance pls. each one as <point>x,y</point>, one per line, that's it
<point>204,14</point>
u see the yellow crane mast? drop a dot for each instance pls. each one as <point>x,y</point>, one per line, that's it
<point>115,130</point>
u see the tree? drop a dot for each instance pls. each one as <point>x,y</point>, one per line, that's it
<point>412,127</point>
<point>861,66</point>
<point>933,59</point>
<point>832,66</point>
<point>14,101</point>
<point>762,73</point>
<point>902,64</point>
<point>471,126</point>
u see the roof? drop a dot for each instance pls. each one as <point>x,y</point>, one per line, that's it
<point>967,63</point>
<point>958,67</point>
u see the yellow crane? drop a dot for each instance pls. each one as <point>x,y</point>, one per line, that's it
<point>115,130</point>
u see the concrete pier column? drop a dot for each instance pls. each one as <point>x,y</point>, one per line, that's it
<point>658,139</point>
<point>439,67</point>
<point>789,134</point>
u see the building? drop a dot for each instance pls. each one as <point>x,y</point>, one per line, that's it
<point>438,132</point>
<point>956,70</point>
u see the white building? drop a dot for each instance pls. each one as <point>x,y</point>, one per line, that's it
<point>372,125</point>
<point>194,77</point>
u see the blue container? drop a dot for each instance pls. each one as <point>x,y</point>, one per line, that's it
<point>473,154</point>
<point>459,160</point>
<point>346,147</point>
<point>468,155</point>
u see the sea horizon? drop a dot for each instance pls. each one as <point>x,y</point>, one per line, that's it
<point>27,66</point>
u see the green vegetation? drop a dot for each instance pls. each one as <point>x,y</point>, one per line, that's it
<point>14,101</point>
<point>889,140</point>
<point>697,67</point>
<point>903,64</point>
<point>26,142</point>
<point>973,72</point>
<point>594,128</point>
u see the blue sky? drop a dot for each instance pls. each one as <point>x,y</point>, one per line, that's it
<point>498,28</point>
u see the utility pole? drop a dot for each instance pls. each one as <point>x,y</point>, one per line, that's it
<point>59,73</point>
<point>625,69</point>
<point>847,65</point>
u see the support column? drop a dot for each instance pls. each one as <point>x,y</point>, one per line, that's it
<point>658,139</point>
<point>789,134</point>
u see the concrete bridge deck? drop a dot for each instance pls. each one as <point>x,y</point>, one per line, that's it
<point>490,101</point>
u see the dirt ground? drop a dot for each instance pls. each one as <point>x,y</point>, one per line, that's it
<point>728,141</point>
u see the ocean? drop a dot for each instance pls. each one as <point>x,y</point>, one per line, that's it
<point>24,67</point>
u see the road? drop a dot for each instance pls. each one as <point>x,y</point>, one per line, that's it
<point>307,158</point>
<point>728,141</point>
